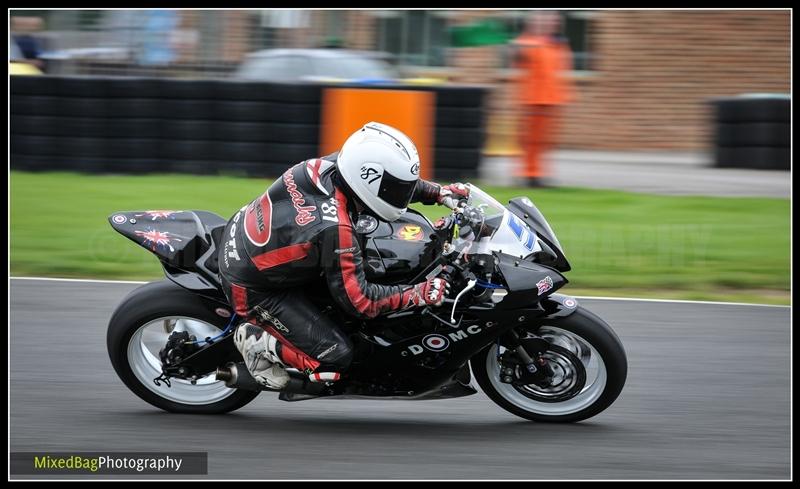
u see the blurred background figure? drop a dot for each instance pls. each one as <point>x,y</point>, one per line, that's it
<point>157,30</point>
<point>544,59</point>
<point>24,33</point>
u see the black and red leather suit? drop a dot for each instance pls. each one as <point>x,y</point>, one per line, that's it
<point>299,230</point>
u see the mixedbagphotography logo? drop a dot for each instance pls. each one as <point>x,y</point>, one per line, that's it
<point>73,462</point>
<point>132,463</point>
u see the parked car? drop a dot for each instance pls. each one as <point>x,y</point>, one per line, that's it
<point>321,65</point>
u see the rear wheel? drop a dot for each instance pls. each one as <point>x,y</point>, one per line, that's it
<point>586,370</point>
<point>140,327</point>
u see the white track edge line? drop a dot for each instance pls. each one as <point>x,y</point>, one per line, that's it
<point>590,297</point>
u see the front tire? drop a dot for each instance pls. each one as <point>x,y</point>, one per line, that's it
<point>604,366</point>
<point>152,305</point>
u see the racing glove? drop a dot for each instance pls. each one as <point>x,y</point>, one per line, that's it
<point>442,222</point>
<point>449,195</point>
<point>429,293</point>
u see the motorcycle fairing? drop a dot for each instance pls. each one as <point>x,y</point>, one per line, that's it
<point>525,210</point>
<point>185,243</point>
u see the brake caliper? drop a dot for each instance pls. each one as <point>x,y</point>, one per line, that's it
<point>180,345</point>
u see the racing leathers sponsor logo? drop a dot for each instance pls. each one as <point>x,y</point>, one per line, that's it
<point>230,250</point>
<point>269,318</point>
<point>340,251</point>
<point>438,343</point>
<point>304,212</point>
<point>325,353</point>
<point>258,220</point>
<point>544,284</point>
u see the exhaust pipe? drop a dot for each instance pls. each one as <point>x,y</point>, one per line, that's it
<point>224,374</point>
<point>236,376</point>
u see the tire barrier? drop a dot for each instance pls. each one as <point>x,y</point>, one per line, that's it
<point>759,157</point>
<point>754,134</point>
<point>140,125</point>
<point>753,131</point>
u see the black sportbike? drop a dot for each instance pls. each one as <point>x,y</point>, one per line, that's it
<point>537,354</point>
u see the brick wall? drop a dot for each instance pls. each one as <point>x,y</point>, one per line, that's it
<point>360,30</point>
<point>235,46</point>
<point>655,72</point>
<point>653,75</point>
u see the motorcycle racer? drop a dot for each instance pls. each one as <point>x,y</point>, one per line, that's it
<point>302,228</point>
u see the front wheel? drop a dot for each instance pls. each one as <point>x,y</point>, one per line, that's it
<point>585,362</point>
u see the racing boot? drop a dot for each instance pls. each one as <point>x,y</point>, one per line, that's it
<point>260,352</point>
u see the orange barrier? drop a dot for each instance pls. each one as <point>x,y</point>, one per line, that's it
<point>345,110</point>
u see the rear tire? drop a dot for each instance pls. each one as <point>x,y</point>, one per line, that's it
<point>144,305</point>
<point>592,330</point>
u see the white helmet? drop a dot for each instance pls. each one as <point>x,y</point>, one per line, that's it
<point>381,166</point>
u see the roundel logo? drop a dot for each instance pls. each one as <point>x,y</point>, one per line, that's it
<point>258,220</point>
<point>569,302</point>
<point>435,342</point>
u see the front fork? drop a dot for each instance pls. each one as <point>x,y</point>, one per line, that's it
<point>525,352</point>
<point>528,351</point>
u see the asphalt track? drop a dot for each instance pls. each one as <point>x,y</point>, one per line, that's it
<point>708,397</point>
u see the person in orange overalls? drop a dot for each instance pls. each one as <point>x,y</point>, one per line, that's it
<point>543,87</point>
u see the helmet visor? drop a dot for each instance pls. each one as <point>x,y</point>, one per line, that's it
<point>396,192</point>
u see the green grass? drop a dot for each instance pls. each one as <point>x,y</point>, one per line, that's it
<point>618,243</point>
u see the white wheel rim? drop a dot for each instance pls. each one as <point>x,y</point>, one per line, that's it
<point>145,363</point>
<point>596,376</point>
